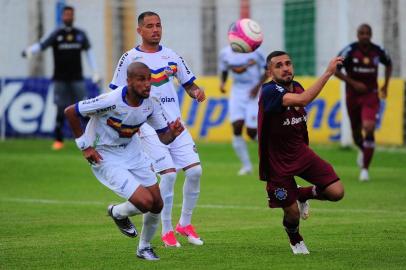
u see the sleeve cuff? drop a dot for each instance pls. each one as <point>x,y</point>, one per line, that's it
<point>189,81</point>
<point>77,110</point>
<point>162,130</point>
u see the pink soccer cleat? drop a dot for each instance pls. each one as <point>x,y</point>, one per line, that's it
<point>169,240</point>
<point>189,232</point>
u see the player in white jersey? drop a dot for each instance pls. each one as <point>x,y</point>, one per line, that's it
<point>248,76</point>
<point>165,66</point>
<point>118,164</point>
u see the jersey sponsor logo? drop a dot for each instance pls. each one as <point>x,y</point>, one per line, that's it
<point>59,38</point>
<point>167,99</point>
<point>123,130</point>
<point>281,194</point>
<point>121,62</point>
<point>184,64</point>
<point>106,109</point>
<point>364,70</point>
<point>294,120</point>
<point>165,57</point>
<point>90,101</point>
<point>355,60</point>
<point>69,46</point>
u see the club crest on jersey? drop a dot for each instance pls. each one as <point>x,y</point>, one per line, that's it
<point>281,193</point>
<point>69,37</point>
<point>366,61</point>
<point>168,71</point>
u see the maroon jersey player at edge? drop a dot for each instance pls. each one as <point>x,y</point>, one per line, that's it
<point>361,63</point>
<point>283,146</point>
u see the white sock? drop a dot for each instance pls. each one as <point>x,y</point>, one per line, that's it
<point>167,186</point>
<point>149,226</point>
<point>240,148</point>
<point>125,209</point>
<point>191,190</point>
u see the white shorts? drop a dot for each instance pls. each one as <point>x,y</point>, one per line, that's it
<point>245,109</point>
<point>121,175</point>
<point>179,154</point>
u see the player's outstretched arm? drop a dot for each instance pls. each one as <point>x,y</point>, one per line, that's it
<point>88,151</point>
<point>311,93</point>
<point>195,92</point>
<point>174,130</point>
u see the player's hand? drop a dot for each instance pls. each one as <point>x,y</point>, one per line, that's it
<point>384,92</point>
<point>23,54</point>
<point>199,95</point>
<point>359,87</point>
<point>92,156</point>
<point>332,66</point>
<point>176,127</point>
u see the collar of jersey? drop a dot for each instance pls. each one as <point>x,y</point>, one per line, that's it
<point>124,92</point>
<point>139,49</point>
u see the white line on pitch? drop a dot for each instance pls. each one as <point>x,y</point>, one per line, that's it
<point>206,206</point>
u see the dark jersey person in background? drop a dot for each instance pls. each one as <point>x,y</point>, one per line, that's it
<point>284,150</point>
<point>361,63</point>
<point>67,43</point>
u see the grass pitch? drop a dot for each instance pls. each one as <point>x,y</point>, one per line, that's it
<point>53,216</point>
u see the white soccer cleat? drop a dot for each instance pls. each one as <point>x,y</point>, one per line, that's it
<point>244,171</point>
<point>364,175</point>
<point>360,159</point>
<point>304,208</point>
<point>189,232</point>
<point>299,248</point>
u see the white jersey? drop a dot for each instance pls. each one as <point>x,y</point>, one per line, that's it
<point>243,78</point>
<point>113,122</point>
<point>165,65</point>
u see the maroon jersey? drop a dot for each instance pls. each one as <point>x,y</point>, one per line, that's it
<point>363,65</point>
<point>282,134</point>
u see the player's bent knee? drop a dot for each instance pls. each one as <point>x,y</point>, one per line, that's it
<point>194,172</point>
<point>291,213</point>
<point>335,191</point>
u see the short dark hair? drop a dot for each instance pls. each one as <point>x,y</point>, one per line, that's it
<point>133,66</point>
<point>365,25</point>
<point>68,8</point>
<point>274,54</point>
<point>146,14</point>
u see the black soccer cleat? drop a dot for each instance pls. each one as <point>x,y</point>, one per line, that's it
<point>124,225</point>
<point>147,254</point>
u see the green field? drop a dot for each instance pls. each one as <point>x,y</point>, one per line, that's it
<point>53,216</point>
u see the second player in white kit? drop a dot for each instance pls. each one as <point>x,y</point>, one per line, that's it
<point>248,71</point>
<point>165,66</point>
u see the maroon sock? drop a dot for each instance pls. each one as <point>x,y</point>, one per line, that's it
<point>292,229</point>
<point>368,151</point>
<point>306,193</point>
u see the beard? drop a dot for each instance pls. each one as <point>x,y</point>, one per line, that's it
<point>285,82</point>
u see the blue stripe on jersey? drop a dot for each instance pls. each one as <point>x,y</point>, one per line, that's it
<point>77,110</point>
<point>123,93</point>
<point>139,49</point>
<point>113,86</point>
<point>172,63</point>
<point>162,130</point>
<point>189,81</point>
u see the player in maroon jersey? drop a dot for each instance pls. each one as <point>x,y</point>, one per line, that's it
<point>361,63</point>
<point>283,146</point>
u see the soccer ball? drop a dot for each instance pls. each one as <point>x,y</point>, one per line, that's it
<point>245,36</point>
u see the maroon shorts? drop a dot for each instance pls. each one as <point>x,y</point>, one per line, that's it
<point>363,108</point>
<point>283,191</point>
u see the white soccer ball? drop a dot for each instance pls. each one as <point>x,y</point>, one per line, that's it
<point>245,35</point>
